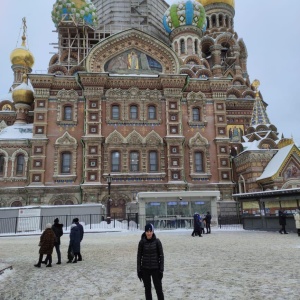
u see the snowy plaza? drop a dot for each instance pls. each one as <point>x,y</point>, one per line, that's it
<point>226,264</point>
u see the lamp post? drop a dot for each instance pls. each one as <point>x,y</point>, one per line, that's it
<point>108,180</point>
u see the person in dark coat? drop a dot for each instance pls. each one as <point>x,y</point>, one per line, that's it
<point>197,225</point>
<point>207,222</point>
<point>81,230</point>
<point>150,262</point>
<point>74,245</point>
<point>282,221</point>
<point>58,231</point>
<point>46,244</point>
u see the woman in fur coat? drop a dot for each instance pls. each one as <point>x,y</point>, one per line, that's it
<point>46,244</point>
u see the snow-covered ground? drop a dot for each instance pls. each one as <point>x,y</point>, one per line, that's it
<point>226,264</point>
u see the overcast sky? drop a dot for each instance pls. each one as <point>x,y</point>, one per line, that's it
<point>269,28</point>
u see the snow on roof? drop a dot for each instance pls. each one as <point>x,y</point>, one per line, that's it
<point>276,162</point>
<point>17,132</point>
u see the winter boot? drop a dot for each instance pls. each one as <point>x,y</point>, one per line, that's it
<point>38,265</point>
<point>49,265</point>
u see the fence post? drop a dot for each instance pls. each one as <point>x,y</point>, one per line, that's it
<point>114,220</point>
<point>219,221</point>
<point>16,224</point>
<point>128,221</point>
<point>41,227</point>
<point>90,221</point>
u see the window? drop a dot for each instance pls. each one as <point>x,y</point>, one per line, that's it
<point>20,165</point>
<point>115,161</point>
<point>182,46</point>
<point>2,161</point>
<point>153,161</point>
<point>196,114</point>
<point>133,112</point>
<point>115,112</point>
<point>198,162</point>
<point>134,161</point>
<point>68,113</point>
<point>151,112</point>
<point>66,163</point>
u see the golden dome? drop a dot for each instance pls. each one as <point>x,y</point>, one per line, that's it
<point>207,2</point>
<point>22,56</point>
<point>23,93</point>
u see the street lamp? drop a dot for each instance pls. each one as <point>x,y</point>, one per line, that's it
<point>108,180</point>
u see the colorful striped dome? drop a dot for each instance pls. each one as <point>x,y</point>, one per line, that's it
<point>78,10</point>
<point>184,13</point>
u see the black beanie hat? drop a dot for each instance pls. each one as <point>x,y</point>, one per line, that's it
<point>149,227</point>
<point>56,220</point>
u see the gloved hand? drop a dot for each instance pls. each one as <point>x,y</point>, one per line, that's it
<point>161,275</point>
<point>139,274</point>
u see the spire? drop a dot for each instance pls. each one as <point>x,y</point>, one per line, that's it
<point>259,114</point>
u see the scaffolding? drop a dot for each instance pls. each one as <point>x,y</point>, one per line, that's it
<point>75,40</point>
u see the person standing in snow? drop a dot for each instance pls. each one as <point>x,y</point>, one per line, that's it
<point>46,244</point>
<point>197,225</point>
<point>58,231</point>
<point>207,222</point>
<point>150,262</point>
<point>74,246</point>
<point>81,231</point>
<point>282,221</point>
<point>297,220</point>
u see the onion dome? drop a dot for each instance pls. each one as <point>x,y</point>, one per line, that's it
<point>23,93</point>
<point>185,13</point>
<point>76,10</point>
<point>22,56</point>
<point>208,2</point>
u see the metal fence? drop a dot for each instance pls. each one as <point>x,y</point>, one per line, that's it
<point>14,225</point>
<point>130,221</point>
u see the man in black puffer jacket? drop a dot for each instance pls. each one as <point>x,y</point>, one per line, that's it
<point>150,262</point>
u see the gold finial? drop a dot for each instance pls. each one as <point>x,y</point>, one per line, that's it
<point>256,85</point>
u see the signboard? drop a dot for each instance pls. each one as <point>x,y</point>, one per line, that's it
<point>29,219</point>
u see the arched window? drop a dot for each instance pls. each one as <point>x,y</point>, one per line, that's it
<point>115,112</point>
<point>16,204</point>
<point>68,113</point>
<point>133,112</point>
<point>198,162</point>
<point>196,114</point>
<point>2,162</point>
<point>153,161</point>
<point>134,161</point>
<point>196,46</point>
<point>20,165</point>
<point>115,161</point>
<point>151,112</point>
<point>66,159</point>
<point>182,46</point>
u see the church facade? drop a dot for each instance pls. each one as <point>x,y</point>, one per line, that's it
<point>157,99</point>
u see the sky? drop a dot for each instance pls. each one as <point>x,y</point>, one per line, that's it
<point>269,29</point>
